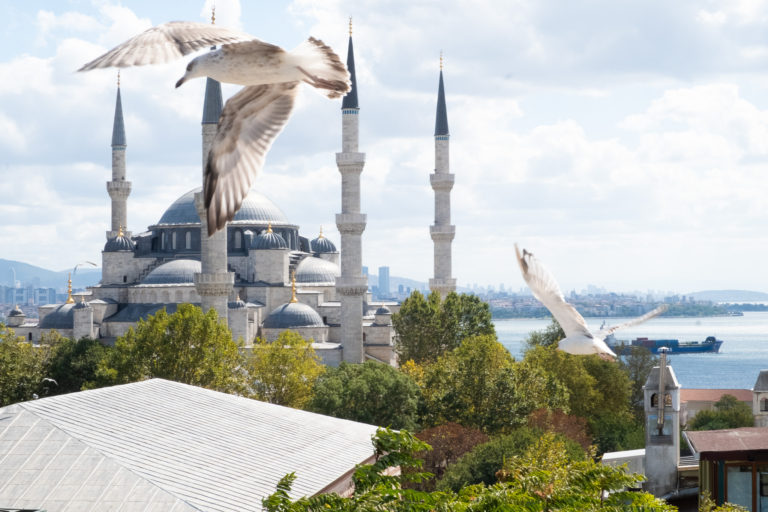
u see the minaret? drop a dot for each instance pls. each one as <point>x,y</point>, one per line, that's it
<point>213,283</point>
<point>118,188</point>
<point>442,231</point>
<point>351,285</point>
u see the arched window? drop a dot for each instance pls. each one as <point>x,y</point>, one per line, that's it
<point>188,240</point>
<point>764,405</point>
<point>173,241</point>
<point>125,279</point>
<point>30,336</point>
<point>238,239</point>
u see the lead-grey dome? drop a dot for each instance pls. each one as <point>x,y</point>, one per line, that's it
<point>119,243</point>
<point>383,310</point>
<point>174,272</point>
<point>313,270</point>
<point>81,305</point>
<point>293,314</point>
<point>16,311</point>
<point>322,245</point>
<point>256,208</point>
<point>269,240</point>
<point>62,317</point>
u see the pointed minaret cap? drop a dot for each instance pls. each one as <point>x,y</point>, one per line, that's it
<point>441,119</point>
<point>350,100</point>
<point>213,104</point>
<point>118,128</point>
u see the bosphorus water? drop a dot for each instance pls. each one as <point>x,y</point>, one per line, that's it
<point>742,356</point>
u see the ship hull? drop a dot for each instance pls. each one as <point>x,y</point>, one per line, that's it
<point>709,345</point>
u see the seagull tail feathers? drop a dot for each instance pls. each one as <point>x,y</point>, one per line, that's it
<point>323,67</point>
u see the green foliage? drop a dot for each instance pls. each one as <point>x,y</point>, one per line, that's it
<point>428,327</point>
<point>22,368</point>
<point>637,364</point>
<point>729,413</point>
<point>371,392</point>
<point>74,365</point>
<point>549,337</point>
<point>482,463</point>
<point>479,385</point>
<point>188,346</point>
<point>284,372</point>
<point>543,479</point>
<point>707,504</point>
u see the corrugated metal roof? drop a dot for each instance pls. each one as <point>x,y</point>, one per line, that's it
<point>709,443</point>
<point>161,445</point>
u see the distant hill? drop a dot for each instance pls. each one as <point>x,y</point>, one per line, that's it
<point>39,277</point>
<point>730,296</point>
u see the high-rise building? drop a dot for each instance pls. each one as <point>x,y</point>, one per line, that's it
<point>384,281</point>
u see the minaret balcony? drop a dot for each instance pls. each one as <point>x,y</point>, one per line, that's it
<point>442,233</point>
<point>350,159</point>
<point>351,286</point>
<point>351,223</point>
<point>442,181</point>
<point>119,189</point>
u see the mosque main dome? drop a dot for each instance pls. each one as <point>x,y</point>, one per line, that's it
<point>256,209</point>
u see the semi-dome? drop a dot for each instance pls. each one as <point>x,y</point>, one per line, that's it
<point>119,243</point>
<point>256,208</point>
<point>293,315</point>
<point>174,272</point>
<point>61,317</point>
<point>322,245</point>
<point>269,240</point>
<point>313,270</point>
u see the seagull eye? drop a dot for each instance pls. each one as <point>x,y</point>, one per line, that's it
<point>189,67</point>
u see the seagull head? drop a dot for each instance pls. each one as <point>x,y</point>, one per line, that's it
<point>193,71</point>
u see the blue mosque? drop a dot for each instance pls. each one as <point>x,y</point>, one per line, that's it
<point>260,274</point>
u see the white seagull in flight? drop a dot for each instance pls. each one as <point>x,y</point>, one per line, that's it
<point>578,339</point>
<point>253,117</point>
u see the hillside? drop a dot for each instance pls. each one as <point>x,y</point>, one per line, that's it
<point>39,277</point>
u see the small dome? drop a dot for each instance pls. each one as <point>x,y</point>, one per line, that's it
<point>293,314</point>
<point>119,243</point>
<point>238,304</point>
<point>16,311</point>
<point>256,208</point>
<point>81,305</point>
<point>313,270</point>
<point>383,310</point>
<point>61,317</point>
<point>269,240</point>
<point>322,245</point>
<point>174,272</point>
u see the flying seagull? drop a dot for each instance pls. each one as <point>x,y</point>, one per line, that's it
<point>578,339</point>
<point>252,118</point>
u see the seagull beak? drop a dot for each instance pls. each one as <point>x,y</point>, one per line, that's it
<point>181,81</point>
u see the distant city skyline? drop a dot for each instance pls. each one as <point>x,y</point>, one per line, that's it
<point>625,145</point>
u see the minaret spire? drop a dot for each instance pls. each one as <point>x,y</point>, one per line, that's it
<point>118,188</point>
<point>442,232</point>
<point>351,285</point>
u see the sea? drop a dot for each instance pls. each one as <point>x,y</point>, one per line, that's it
<point>743,354</point>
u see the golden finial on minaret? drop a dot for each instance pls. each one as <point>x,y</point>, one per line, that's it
<point>69,300</point>
<point>293,288</point>
<point>120,230</point>
<point>269,227</point>
<point>213,14</point>
<point>321,233</point>
<point>441,60</point>
<point>118,78</point>
<point>350,26</point>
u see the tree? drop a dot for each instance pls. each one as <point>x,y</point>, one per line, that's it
<point>188,346</point>
<point>479,385</point>
<point>284,372</point>
<point>449,442</point>
<point>729,413</point>
<point>22,368</point>
<point>74,365</point>
<point>429,327</point>
<point>371,392</point>
<point>637,364</point>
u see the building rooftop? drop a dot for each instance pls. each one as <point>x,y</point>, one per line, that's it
<point>713,395</point>
<point>723,444</point>
<point>161,445</point>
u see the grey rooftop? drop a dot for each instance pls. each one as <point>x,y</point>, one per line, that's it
<point>160,445</point>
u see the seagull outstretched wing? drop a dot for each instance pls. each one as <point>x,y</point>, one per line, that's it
<point>544,287</point>
<point>602,333</point>
<point>165,43</point>
<point>249,123</point>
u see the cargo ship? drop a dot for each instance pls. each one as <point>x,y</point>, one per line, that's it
<point>710,344</point>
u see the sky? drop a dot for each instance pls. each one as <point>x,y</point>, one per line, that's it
<point>624,143</point>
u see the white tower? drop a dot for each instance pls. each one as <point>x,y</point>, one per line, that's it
<point>442,231</point>
<point>118,188</point>
<point>351,285</point>
<point>661,395</point>
<point>760,399</point>
<point>213,283</point>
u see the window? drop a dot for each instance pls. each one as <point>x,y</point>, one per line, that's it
<point>188,240</point>
<point>125,279</point>
<point>764,405</point>
<point>173,241</point>
<point>238,239</point>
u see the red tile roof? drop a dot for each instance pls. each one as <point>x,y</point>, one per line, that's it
<point>713,395</point>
